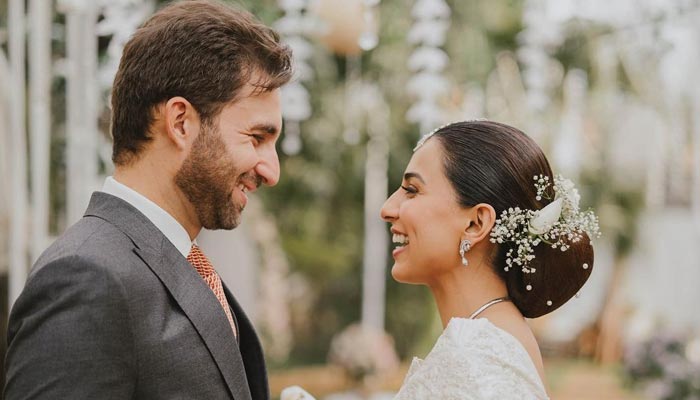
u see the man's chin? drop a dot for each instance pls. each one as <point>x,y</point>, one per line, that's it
<point>225,225</point>
<point>226,222</point>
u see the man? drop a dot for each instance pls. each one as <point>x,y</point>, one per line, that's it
<point>124,305</point>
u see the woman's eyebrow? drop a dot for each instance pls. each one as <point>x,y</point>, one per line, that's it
<point>409,175</point>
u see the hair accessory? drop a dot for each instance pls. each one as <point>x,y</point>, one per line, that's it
<point>427,136</point>
<point>557,224</point>
<point>464,247</point>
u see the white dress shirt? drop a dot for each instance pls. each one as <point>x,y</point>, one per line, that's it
<point>166,223</point>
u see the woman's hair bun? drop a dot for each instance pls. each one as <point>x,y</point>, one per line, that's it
<point>559,276</point>
<point>493,163</point>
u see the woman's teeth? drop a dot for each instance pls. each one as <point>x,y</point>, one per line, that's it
<point>400,239</point>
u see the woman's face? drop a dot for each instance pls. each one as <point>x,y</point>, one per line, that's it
<point>426,221</point>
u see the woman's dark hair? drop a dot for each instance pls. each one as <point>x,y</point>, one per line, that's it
<point>493,163</point>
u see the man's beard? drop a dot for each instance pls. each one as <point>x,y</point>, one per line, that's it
<point>208,177</point>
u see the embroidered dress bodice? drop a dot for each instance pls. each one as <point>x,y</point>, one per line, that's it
<point>473,360</point>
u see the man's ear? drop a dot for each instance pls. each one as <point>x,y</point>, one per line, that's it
<point>181,122</point>
<point>481,218</point>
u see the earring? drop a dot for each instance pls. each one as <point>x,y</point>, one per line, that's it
<point>464,247</point>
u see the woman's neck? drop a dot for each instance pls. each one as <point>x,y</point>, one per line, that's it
<point>462,291</point>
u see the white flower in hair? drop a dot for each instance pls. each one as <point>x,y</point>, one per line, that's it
<point>566,190</point>
<point>544,219</point>
<point>558,224</point>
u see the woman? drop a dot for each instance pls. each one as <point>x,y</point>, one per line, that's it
<point>481,220</point>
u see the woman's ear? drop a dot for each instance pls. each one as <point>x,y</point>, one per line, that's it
<point>482,218</point>
<point>181,121</point>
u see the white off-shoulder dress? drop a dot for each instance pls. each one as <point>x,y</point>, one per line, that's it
<point>473,360</point>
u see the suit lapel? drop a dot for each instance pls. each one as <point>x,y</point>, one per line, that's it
<point>251,351</point>
<point>188,289</point>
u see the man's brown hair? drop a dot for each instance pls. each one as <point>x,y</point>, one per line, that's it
<point>201,50</point>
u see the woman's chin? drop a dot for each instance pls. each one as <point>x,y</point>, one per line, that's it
<point>401,274</point>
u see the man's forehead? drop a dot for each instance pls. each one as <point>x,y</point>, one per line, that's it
<point>253,94</point>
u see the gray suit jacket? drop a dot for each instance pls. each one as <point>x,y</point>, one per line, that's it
<point>113,311</point>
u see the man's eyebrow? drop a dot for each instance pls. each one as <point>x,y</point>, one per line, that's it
<point>409,175</point>
<point>269,129</point>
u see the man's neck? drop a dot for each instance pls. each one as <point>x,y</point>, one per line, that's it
<point>161,190</point>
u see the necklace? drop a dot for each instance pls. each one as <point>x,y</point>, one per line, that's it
<point>487,305</point>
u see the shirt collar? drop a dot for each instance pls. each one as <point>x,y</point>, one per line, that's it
<point>166,223</point>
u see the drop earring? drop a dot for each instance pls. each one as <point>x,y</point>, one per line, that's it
<point>464,247</point>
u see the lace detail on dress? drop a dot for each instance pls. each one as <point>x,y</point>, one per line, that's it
<point>473,359</point>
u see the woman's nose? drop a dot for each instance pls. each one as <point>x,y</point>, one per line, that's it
<point>389,209</point>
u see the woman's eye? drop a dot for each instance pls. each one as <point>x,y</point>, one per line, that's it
<point>409,189</point>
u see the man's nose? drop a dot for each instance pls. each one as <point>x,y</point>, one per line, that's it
<point>268,168</point>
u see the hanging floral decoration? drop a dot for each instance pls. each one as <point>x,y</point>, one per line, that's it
<point>295,26</point>
<point>120,19</point>
<point>428,61</point>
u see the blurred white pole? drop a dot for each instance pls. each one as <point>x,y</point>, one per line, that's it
<point>4,160</point>
<point>695,163</point>
<point>18,151</point>
<point>74,107</point>
<point>376,237</point>
<point>81,132</point>
<point>569,147</point>
<point>40,120</point>
<point>376,234</point>
<point>92,100</point>
<point>695,155</point>
<point>677,144</point>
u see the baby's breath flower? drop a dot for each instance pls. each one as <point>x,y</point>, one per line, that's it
<point>514,224</point>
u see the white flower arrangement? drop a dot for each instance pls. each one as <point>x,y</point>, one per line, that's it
<point>295,393</point>
<point>363,352</point>
<point>558,224</point>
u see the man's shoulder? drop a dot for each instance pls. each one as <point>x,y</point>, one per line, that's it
<point>92,241</point>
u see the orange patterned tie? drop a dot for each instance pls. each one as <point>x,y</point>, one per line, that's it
<point>200,262</point>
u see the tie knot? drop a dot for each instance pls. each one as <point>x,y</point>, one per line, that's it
<point>200,262</point>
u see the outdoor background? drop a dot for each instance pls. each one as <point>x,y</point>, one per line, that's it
<point>608,88</point>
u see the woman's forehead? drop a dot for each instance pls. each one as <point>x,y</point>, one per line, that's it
<point>427,158</point>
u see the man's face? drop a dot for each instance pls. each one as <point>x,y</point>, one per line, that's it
<point>231,158</point>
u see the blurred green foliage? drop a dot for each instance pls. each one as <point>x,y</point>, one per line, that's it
<point>318,204</point>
